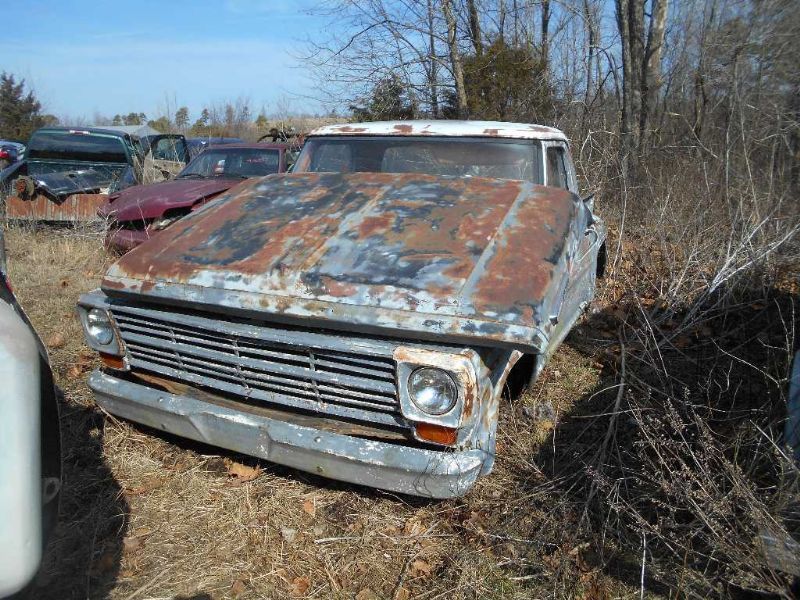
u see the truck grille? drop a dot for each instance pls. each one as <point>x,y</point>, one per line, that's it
<point>300,369</point>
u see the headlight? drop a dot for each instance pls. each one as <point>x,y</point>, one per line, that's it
<point>98,326</point>
<point>432,390</point>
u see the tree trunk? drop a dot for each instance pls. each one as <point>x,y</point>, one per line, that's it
<point>433,85</point>
<point>591,28</point>
<point>700,99</point>
<point>546,36</point>
<point>474,27</point>
<point>516,24</point>
<point>630,23</point>
<point>501,19</point>
<point>455,58</point>
<point>651,76</point>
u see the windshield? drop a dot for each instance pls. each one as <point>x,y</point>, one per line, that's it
<point>460,157</point>
<point>87,147</point>
<point>233,162</point>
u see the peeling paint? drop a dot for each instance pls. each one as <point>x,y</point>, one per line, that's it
<point>402,252</point>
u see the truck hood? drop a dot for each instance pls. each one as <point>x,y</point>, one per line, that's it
<point>62,185</point>
<point>150,201</point>
<point>402,254</point>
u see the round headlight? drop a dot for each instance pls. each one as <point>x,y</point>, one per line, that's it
<point>432,390</point>
<point>98,326</point>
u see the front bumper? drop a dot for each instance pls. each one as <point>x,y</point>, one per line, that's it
<point>123,240</point>
<point>415,471</point>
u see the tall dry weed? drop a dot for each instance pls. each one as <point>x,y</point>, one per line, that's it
<point>683,475</point>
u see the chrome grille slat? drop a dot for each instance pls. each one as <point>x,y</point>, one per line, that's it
<point>305,370</point>
<point>295,401</point>
<point>255,380</point>
<point>185,350</point>
<point>382,369</point>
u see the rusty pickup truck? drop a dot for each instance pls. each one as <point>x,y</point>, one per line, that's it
<point>67,173</point>
<point>358,318</point>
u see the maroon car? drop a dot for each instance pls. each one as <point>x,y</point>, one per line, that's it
<point>137,213</point>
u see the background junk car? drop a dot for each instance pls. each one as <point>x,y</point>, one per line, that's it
<point>67,172</point>
<point>10,152</point>
<point>359,318</point>
<point>138,212</point>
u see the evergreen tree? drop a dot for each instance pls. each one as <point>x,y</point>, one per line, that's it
<point>19,111</point>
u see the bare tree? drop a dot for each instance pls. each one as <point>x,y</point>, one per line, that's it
<point>455,57</point>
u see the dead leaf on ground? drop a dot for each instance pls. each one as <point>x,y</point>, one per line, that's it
<point>288,534</point>
<point>144,488</point>
<point>64,283</point>
<point>414,528</point>
<point>238,588</point>
<point>242,472</point>
<point>402,594</point>
<point>132,544</point>
<point>310,507</point>
<point>479,519</point>
<point>421,568</point>
<point>74,372</point>
<point>299,586</point>
<point>57,340</point>
<point>366,594</point>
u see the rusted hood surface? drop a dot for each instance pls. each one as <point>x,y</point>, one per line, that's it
<point>459,257</point>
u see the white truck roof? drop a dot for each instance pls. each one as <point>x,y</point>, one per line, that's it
<point>445,128</point>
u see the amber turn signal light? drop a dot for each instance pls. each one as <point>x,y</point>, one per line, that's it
<point>111,361</point>
<point>436,433</point>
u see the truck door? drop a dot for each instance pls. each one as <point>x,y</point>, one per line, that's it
<point>165,158</point>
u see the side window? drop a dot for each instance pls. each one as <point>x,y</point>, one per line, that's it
<point>169,149</point>
<point>556,168</point>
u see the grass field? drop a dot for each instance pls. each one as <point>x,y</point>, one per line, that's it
<point>149,516</point>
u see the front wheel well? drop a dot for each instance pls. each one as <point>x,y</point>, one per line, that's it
<point>519,377</point>
<point>602,259</point>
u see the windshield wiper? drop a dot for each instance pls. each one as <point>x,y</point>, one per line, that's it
<point>187,175</point>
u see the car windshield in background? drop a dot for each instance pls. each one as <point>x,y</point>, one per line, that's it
<point>58,145</point>
<point>234,162</point>
<point>460,157</point>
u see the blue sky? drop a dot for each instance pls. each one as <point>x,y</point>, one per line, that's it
<point>84,57</point>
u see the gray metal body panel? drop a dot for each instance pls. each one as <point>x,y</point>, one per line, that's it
<point>435,474</point>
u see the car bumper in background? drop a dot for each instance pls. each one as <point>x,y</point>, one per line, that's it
<point>123,240</point>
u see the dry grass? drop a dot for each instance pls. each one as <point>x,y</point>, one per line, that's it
<point>599,490</point>
<point>149,516</point>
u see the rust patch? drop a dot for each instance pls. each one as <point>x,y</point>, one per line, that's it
<point>113,285</point>
<point>349,129</point>
<point>78,207</point>
<point>403,128</point>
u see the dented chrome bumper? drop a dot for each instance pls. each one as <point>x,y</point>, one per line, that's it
<point>416,471</point>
